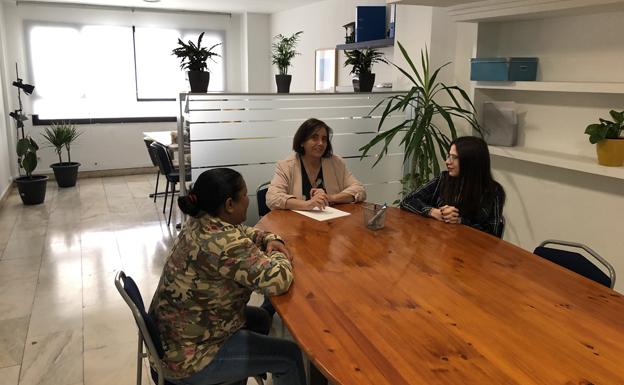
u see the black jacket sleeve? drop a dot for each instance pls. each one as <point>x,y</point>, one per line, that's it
<point>423,199</point>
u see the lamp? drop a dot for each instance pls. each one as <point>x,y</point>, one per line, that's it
<point>27,88</point>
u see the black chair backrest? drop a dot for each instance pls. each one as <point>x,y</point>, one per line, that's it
<point>576,262</point>
<point>261,192</point>
<point>164,161</point>
<point>132,291</point>
<point>150,151</point>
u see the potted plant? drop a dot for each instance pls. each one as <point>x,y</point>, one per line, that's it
<point>362,62</point>
<point>61,135</point>
<point>282,53</point>
<point>609,139</point>
<point>193,57</point>
<point>31,188</point>
<point>424,139</point>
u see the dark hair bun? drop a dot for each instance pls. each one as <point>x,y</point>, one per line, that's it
<point>188,207</point>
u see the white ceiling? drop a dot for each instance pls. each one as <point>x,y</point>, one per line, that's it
<point>230,6</point>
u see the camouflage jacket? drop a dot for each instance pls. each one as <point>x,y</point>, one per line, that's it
<point>206,283</point>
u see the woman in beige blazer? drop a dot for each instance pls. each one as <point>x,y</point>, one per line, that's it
<point>312,177</point>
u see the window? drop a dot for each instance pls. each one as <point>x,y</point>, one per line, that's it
<point>88,71</point>
<point>153,59</point>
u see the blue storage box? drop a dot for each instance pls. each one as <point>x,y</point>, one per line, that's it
<point>503,69</point>
<point>370,23</point>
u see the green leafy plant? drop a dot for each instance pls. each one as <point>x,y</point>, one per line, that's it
<point>283,51</point>
<point>425,138</point>
<point>27,155</point>
<point>363,60</point>
<point>193,56</point>
<point>606,129</point>
<point>61,135</point>
<point>72,133</point>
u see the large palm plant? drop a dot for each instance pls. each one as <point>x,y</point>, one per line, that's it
<point>424,138</point>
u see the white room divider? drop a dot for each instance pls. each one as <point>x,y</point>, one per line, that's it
<point>250,132</point>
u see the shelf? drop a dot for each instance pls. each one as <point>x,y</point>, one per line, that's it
<point>557,159</point>
<point>367,44</point>
<point>579,87</point>
<point>496,10</point>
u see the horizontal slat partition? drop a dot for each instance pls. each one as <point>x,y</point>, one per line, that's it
<point>230,130</point>
<point>259,150</point>
<point>250,132</point>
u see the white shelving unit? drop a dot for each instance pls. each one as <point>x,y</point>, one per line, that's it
<point>577,87</point>
<point>557,159</point>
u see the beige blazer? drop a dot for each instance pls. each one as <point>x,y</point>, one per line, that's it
<point>286,182</point>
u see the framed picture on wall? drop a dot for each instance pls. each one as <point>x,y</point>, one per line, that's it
<point>325,69</point>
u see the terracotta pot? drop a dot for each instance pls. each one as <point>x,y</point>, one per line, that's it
<point>610,152</point>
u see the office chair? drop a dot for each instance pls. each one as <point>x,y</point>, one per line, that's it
<point>148,331</point>
<point>577,262</point>
<point>154,159</point>
<point>261,192</point>
<point>171,174</point>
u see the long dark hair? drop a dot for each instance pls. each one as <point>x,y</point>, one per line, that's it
<point>305,131</point>
<point>211,190</point>
<point>474,184</point>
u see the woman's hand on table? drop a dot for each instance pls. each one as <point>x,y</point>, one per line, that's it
<point>450,214</point>
<point>318,199</point>
<point>280,247</point>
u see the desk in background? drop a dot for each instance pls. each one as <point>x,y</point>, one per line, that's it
<point>423,302</point>
<point>164,138</point>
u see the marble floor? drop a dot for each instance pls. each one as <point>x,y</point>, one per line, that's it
<point>62,322</point>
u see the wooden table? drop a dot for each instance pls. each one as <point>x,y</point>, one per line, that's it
<point>423,302</point>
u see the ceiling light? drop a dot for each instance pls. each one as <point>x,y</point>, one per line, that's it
<point>152,1</point>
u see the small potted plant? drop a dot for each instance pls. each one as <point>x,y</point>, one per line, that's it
<point>61,135</point>
<point>193,57</point>
<point>283,51</point>
<point>362,62</point>
<point>609,139</point>
<point>31,188</point>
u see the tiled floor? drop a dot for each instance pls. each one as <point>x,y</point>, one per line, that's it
<point>62,322</point>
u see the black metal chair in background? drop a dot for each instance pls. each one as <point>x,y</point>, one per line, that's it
<point>154,159</point>
<point>577,262</point>
<point>261,192</point>
<point>172,175</point>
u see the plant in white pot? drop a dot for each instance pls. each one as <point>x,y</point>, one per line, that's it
<point>193,57</point>
<point>283,51</point>
<point>362,62</point>
<point>62,135</point>
<point>609,139</point>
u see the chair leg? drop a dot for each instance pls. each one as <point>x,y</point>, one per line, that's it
<point>139,360</point>
<point>171,204</point>
<point>166,192</point>
<point>156,189</point>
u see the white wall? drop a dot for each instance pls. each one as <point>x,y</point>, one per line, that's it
<point>6,129</point>
<point>544,201</point>
<point>107,146</point>
<point>321,24</point>
<point>256,55</point>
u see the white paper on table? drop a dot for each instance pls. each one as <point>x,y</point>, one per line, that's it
<point>323,215</point>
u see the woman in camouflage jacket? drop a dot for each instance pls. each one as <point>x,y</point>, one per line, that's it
<point>208,332</point>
